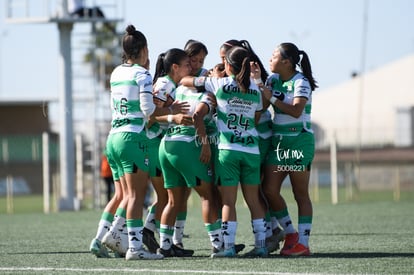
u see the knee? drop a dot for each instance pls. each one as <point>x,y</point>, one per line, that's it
<point>302,198</point>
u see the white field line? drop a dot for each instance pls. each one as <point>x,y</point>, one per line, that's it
<point>146,270</point>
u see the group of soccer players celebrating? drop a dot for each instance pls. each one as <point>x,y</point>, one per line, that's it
<point>212,131</point>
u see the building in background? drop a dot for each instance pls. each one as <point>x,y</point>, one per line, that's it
<point>371,110</point>
<point>22,124</point>
<point>370,119</point>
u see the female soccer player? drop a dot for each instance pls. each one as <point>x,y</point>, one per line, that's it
<point>293,142</point>
<point>132,105</point>
<point>171,66</point>
<point>239,105</point>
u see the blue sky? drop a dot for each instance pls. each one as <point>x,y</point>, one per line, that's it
<point>329,31</point>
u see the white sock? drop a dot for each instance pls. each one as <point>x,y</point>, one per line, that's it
<point>103,228</point>
<point>150,221</point>
<point>228,230</point>
<point>166,233</point>
<point>259,231</point>
<point>135,238</point>
<point>304,230</point>
<point>287,224</point>
<point>275,223</point>
<point>119,225</point>
<point>178,231</point>
<point>214,233</point>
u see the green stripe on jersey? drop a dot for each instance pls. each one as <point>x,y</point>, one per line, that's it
<point>124,83</point>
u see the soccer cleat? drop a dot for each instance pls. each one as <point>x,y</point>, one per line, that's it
<point>175,251</point>
<point>272,243</point>
<point>225,253</point>
<point>98,249</point>
<point>141,254</point>
<point>148,238</point>
<point>291,240</point>
<point>237,248</point>
<point>297,250</point>
<point>179,245</point>
<point>257,252</point>
<point>118,242</point>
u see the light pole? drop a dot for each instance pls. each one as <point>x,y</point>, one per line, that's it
<point>361,91</point>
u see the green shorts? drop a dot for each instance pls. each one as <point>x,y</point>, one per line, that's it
<point>295,153</point>
<point>154,161</point>
<point>181,166</point>
<point>235,166</point>
<point>128,151</point>
<point>114,169</point>
<point>264,147</point>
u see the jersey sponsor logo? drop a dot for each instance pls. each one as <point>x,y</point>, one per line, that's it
<point>230,89</point>
<point>239,101</point>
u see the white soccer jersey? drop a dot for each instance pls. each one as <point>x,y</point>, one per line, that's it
<point>193,98</point>
<point>235,113</point>
<point>297,86</point>
<point>163,89</point>
<point>129,83</point>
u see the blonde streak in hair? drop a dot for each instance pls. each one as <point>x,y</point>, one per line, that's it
<point>244,74</point>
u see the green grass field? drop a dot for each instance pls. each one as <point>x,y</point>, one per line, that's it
<point>373,235</point>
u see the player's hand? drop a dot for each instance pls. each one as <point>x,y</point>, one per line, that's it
<point>178,107</point>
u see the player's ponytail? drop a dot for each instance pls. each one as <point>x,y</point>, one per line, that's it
<point>239,60</point>
<point>298,57</point>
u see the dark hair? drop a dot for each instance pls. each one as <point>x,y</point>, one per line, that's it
<point>132,43</point>
<point>292,53</point>
<point>239,59</point>
<point>166,60</point>
<point>194,47</point>
<point>253,56</point>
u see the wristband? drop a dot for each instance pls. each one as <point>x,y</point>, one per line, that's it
<point>170,118</point>
<point>273,100</point>
<point>258,81</point>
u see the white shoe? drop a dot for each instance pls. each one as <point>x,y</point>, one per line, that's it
<point>142,254</point>
<point>118,242</point>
